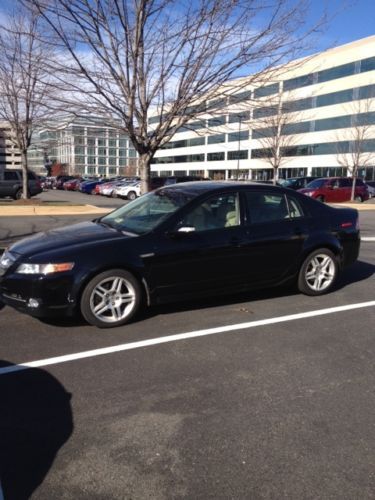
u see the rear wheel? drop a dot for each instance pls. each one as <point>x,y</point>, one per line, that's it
<point>358,198</point>
<point>318,272</point>
<point>18,195</point>
<point>132,195</point>
<point>111,298</point>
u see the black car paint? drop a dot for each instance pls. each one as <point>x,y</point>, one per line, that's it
<point>174,266</point>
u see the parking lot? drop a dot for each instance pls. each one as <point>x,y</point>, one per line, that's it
<point>262,395</point>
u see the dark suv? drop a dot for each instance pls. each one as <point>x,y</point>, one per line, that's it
<point>11,183</point>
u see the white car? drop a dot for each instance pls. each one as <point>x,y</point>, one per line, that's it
<point>129,191</point>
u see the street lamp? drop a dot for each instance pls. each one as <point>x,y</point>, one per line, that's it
<point>239,146</point>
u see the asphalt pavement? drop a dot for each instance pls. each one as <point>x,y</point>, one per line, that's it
<point>264,395</point>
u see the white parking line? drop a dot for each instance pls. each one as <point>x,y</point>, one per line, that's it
<point>367,238</point>
<point>181,336</point>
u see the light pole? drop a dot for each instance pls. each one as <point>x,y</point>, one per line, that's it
<point>239,146</point>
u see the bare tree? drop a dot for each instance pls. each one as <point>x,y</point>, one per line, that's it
<point>135,58</point>
<point>275,126</point>
<point>355,153</point>
<point>23,90</point>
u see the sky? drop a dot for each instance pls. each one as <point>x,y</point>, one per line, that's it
<point>349,20</point>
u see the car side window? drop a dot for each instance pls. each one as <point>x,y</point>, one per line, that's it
<point>217,212</point>
<point>344,182</point>
<point>266,207</point>
<point>295,209</point>
<point>10,176</point>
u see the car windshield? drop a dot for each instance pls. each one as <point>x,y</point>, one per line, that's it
<point>287,182</point>
<point>316,184</point>
<point>146,212</point>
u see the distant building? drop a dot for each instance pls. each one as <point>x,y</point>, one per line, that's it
<point>10,156</point>
<point>321,93</point>
<point>85,145</point>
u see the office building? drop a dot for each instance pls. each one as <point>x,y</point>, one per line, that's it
<point>84,146</point>
<point>324,96</point>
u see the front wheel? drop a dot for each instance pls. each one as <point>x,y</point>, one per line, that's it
<point>318,273</point>
<point>111,298</point>
<point>358,198</point>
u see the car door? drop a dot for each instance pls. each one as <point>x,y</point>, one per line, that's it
<point>202,252</point>
<point>276,230</point>
<point>10,184</point>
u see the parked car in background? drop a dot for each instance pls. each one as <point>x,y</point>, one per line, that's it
<point>60,179</point>
<point>187,240</point>
<point>131,190</point>
<point>371,188</point>
<point>89,186</point>
<point>181,178</point>
<point>336,190</point>
<point>71,185</point>
<point>296,182</point>
<point>11,182</point>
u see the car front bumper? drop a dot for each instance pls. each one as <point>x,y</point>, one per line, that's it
<point>39,296</point>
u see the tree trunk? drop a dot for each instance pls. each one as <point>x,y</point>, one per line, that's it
<point>353,187</point>
<point>145,171</point>
<point>275,175</point>
<point>25,190</point>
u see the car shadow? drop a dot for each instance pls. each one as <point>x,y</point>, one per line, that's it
<point>359,271</point>
<point>35,421</point>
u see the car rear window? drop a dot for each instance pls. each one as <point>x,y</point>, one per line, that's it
<point>10,176</point>
<point>317,183</point>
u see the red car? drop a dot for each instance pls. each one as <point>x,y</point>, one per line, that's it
<point>336,189</point>
<point>71,185</point>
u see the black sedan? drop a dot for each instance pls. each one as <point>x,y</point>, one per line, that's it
<point>182,241</point>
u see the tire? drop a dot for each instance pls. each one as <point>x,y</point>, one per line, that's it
<point>113,194</point>
<point>18,194</point>
<point>320,198</point>
<point>358,198</point>
<point>131,195</point>
<point>102,304</point>
<point>318,272</point>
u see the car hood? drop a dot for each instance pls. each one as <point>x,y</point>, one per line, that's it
<point>76,234</point>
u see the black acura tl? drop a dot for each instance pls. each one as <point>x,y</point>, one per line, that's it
<point>183,241</point>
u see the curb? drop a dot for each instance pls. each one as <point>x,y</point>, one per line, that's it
<point>52,210</point>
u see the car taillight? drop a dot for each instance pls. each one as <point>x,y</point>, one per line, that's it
<point>346,224</point>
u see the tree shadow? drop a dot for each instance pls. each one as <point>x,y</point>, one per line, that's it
<point>35,421</point>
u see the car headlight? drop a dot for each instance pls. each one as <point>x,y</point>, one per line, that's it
<point>26,268</point>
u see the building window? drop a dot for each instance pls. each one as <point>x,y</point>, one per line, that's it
<point>299,81</point>
<point>241,96</point>
<point>265,112</point>
<point>238,155</point>
<point>216,139</point>
<point>79,150</point>
<point>112,152</point>
<point>337,72</point>
<point>238,136</point>
<point>367,64</point>
<point>112,143</point>
<point>217,121</point>
<point>334,98</point>
<point>216,156</point>
<point>266,90</point>
<point>239,117</point>
<point>102,151</point>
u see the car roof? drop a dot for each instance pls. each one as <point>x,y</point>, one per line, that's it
<point>200,187</point>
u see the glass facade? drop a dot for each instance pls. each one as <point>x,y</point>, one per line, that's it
<point>87,147</point>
